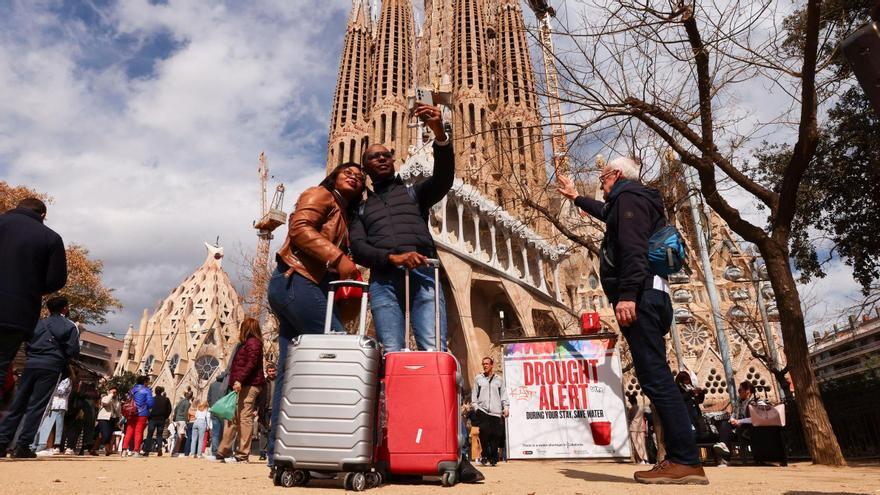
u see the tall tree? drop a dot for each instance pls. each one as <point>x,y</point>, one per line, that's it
<point>680,74</point>
<point>90,300</point>
<point>838,196</point>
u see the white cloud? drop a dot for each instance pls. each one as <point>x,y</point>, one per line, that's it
<point>144,169</point>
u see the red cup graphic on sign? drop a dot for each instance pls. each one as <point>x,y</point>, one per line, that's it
<point>601,431</point>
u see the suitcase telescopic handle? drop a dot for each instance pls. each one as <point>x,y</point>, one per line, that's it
<point>331,298</point>
<point>435,263</point>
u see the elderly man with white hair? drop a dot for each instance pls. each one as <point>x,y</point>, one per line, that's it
<point>632,213</point>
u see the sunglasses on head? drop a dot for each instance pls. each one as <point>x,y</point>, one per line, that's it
<point>384,154</point>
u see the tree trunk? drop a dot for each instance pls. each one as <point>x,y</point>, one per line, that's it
<point>820,439</point>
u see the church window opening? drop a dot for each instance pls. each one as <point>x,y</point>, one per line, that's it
<point>206,366</point>
<point>148,363</point>
<point>393,126</point>
<point>520,139</point>
<point>173,362</point>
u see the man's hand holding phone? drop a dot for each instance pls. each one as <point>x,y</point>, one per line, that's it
<point>432,118</point>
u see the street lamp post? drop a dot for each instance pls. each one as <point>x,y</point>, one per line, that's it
<point>720,336</point>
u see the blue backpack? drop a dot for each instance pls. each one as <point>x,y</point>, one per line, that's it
<point>666,251</point>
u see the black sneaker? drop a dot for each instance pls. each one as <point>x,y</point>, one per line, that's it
<point>23,452</point>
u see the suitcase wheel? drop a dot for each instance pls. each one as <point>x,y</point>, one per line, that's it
<point>373,480</point>
<point>297,477</point>
<point>449,478</point>
<point>355,481</point>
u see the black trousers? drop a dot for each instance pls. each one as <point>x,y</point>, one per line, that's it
<point>105,429</point>
<point>72,430</point>
<point>153,440</point>
<point>648,348</point>
<point>34,391</point>
<point>10,342</point>
<point>491,435</point>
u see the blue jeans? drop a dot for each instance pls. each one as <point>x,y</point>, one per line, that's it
<point>35,389</point>
<point>301,307</point>
<point>187,443</point>
<point>198,441</point>
<point>387,290</point>
<point>54,418</point>
<point>648,349</point>
<point>216,433</point>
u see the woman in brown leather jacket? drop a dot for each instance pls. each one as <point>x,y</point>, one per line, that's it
<point>315,253</point>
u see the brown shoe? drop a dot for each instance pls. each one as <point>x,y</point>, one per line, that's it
<point>670,473</point>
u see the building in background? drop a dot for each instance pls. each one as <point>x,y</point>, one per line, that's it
<point>847,352</point>
<point>191,334</point>
<point>500,257</point>
<point>98,351</point>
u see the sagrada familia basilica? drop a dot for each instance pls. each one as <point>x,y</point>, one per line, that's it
<point>507,271</point>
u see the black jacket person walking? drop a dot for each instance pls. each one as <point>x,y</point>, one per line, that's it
<point>32,264</point>
<point>632,213</point>
<point>53,344</point>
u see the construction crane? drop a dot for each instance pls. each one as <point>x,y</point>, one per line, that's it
<point>271,217</point>
<point>543,11</point>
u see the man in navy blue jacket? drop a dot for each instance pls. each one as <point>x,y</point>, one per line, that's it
<point>632,213</point>
<point>32,264</point>
<point>53,344</point>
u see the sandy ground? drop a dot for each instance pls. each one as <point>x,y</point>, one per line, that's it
<point>113,475</point>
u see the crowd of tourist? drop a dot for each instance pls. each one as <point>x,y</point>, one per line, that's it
<point>78,420</point>
<point>335,227</point>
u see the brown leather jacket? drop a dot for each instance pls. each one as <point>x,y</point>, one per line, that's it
<point>317,234</point>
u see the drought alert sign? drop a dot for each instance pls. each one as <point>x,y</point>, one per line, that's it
<point>566,399</point>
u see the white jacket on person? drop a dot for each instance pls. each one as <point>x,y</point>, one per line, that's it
<point>60,396</point>
<point>110,408</point>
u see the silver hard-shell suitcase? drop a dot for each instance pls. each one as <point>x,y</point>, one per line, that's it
<point>327,419</point>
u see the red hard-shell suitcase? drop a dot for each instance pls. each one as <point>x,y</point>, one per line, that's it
<point>422,400</point>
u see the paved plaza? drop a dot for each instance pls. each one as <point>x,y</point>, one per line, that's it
<point>156,476</point>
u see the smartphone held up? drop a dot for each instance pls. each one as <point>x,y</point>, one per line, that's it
<point>421,96</point>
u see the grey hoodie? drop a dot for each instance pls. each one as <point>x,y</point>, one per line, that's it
<point>218,389</point>
<point>489,394</point>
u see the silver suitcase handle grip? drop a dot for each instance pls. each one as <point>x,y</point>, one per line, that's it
<point>331,297</point>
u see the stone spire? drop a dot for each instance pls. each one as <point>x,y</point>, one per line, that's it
<point>434,51</point>
<point>519,120</point>
<point>349,122</point>
<point>470,79</point>
<point>392,76</point>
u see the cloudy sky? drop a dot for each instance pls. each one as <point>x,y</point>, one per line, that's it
<point>144,120</point>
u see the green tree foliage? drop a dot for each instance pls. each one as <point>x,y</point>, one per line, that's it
<point>839,197</point>
<point>123,383</point>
